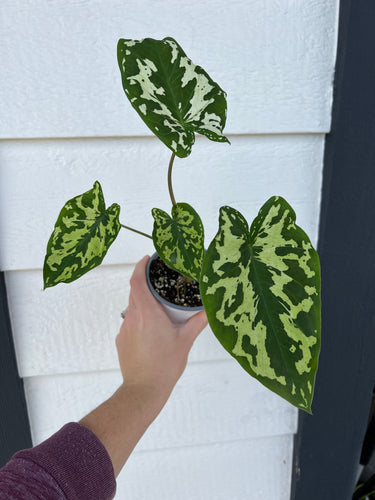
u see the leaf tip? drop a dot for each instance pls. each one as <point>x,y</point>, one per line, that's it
<point>154,212</point>
<point>46,285</point>
<point>308,410</point>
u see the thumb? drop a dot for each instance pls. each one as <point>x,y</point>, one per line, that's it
<point>193,327</point>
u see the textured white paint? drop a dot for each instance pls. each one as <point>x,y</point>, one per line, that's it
<point>212,402</point>
<point>222,436</point>
<point>254,469</point>
<point>72,328</point>
<point>275,59</point>
<point>38,177</point>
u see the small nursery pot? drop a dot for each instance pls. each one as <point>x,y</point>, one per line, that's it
<point>176,313</point>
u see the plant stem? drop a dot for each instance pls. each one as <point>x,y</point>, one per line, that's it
<point>136,231</point>
<point>170,179</point>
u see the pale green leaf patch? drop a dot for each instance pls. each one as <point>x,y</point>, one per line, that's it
<point>83,232</point>
<point>179,240</point>
<point>173,96</point>
<point>261,291</point>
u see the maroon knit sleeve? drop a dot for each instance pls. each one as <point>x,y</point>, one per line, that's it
<point>23,480</point>
<point>73,463</point>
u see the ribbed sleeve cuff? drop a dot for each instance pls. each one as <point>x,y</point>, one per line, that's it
<point>78,462</point>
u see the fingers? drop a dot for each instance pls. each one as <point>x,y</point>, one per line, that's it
<point>132,301</point>
<point>139,289</point>
<point>193,327</point>
<point>140,296</point>
<point>136,282</point>
<point>140,268</point>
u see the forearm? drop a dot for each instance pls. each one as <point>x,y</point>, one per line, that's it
<point>152,354</point>
<point>121,421</point>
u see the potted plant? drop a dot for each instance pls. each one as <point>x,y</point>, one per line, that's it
<point>259,285</point>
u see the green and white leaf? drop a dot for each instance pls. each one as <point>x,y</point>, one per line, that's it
<point>179,240</point>
<point>173,96</point>
<point>83,232</point>
<point>261,291</point>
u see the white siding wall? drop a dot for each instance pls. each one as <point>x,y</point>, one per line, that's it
<point>65,122</point>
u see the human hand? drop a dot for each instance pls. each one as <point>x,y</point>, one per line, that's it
<point>153,353</point>
<point>152,350</point>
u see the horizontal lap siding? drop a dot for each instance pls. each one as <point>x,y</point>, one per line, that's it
<point>38,177</point>
<point>65,123</point>
<point>274,59</point>
<point>285,165</point>
<point>220,436</point>
<point>251,469</point>
<point>213,402</point>
<point>69,329</point>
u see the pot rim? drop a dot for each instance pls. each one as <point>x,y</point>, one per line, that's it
<point>161,299</point>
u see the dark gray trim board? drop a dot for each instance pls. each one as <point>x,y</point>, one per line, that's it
<point>328,444</point>
<point>14,423</point>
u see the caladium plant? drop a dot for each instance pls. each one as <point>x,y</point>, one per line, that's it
<point>260,285</point>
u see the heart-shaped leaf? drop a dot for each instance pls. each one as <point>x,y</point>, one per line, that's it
<point>83,232</point>
<point>179,240</point>
<point>261,291</point>
<point>173,96</point>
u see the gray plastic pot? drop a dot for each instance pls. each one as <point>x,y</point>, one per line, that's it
<point>177,314</point>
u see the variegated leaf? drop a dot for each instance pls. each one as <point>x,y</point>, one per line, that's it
<point>179,240</point>
<point>173,96</point>
<point>83,232</point>
<point>261,291</point>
